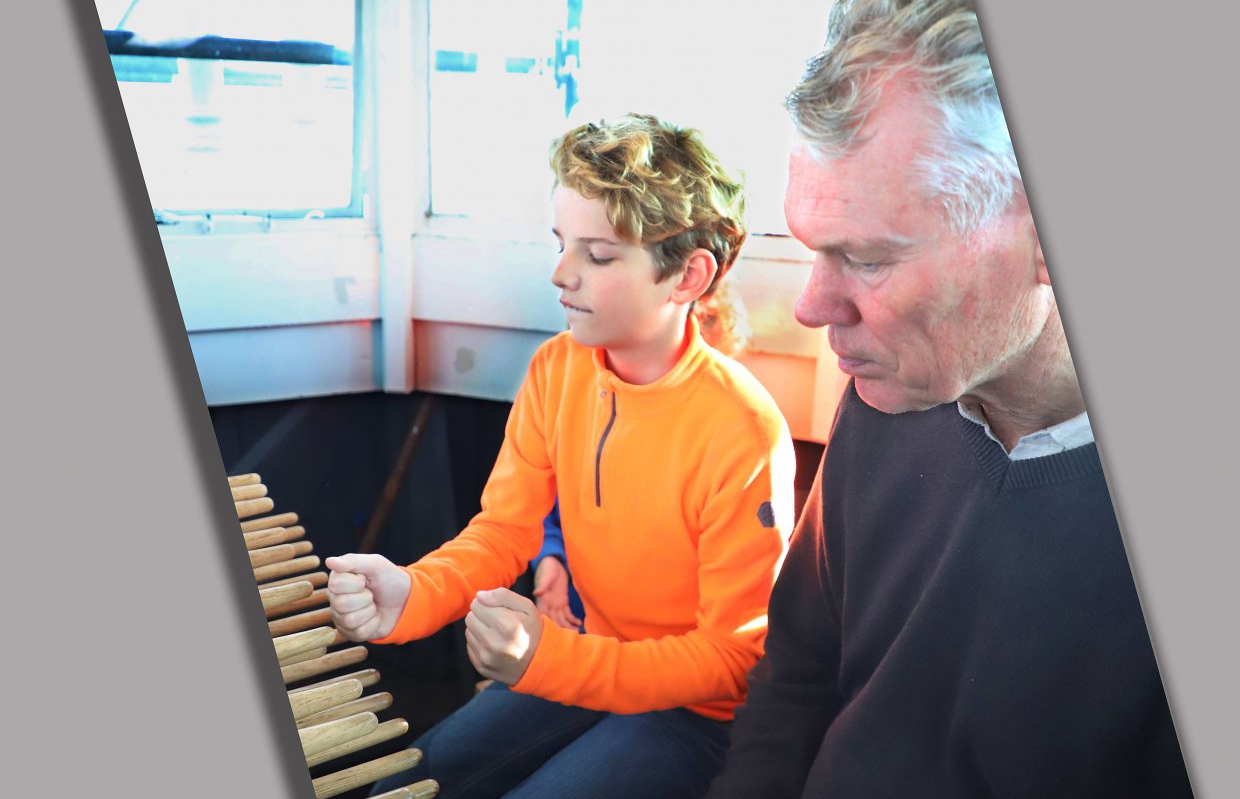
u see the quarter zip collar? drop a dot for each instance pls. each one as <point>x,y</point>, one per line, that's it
<point>636,401</point>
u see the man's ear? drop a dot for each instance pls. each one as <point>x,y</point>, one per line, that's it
<point>699,270</point>
<point>1020,205</point>
<point>1044,275</point>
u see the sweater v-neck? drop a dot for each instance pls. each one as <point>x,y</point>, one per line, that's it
<point>1009,475</point>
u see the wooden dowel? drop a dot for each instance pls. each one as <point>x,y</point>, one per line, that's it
<point>329,662</point>
<point>316,579</point>
<point>242,493</point>
<point>302,657</point>
<point>279,553</point>
<point>367,677</point>
<point>273,535</point>
<point>252,507</point>
<point>296,657</point>
<point>322,737</point>
<point>295,566</point>
<point>243,479</point>
<point>426,789</point>
<point>283,594</point>
<point>264,538</point>
<point>279,520</point>
<point>381,734</point>
<point>319,597</point>
<point>296,643</point>
<point>302,621</point>
<point>367,704</point>
<point>269,555</point>
<point>324,699</point>
<point>350,778</point>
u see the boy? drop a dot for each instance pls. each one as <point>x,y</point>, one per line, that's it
<point>723,324</point>
<point>674,471</point>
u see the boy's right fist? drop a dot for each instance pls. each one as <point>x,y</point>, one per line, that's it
<point>367,594</point>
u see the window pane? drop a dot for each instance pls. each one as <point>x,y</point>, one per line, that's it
<point>268,125</point>
<point>503,90</point>
<point>494,105</point>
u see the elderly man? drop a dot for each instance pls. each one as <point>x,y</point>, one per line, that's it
<point>956,617</point>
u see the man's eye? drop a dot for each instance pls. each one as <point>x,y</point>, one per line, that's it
<point>862,266</point>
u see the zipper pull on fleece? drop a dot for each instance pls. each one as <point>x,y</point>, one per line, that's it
<point>598,455</point>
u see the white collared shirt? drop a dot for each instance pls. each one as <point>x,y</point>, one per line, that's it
<point>1073,433</point>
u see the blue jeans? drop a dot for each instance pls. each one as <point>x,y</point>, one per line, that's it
<point>506,744</point>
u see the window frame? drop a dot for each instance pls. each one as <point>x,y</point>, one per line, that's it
<point>400,299</point>
<point>226,220</point>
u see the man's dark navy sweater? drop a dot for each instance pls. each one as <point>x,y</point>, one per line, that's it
<point>951,623</point>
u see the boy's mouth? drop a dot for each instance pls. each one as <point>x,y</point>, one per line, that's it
<point>569,306</point>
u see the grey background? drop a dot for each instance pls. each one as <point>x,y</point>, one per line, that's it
<point>130,660</point>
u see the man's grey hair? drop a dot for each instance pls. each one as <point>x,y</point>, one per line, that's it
<point>937,43</point>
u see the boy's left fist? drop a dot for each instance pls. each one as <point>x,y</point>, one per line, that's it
<point>502,631</point>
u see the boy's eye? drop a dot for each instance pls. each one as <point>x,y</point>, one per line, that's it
<point>600,260</point>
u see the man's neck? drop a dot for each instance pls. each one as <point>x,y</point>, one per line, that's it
<point>1038,391</point>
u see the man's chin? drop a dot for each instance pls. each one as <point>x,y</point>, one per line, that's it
<point>886,397</point>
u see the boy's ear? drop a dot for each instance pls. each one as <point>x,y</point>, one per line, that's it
<point>699,271</point>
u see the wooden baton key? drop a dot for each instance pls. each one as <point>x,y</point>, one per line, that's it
<point>385,732</point>
<point>426,789</point>
<point>316,580</point>
<point>243,480</point>
<point>279,520</point>
<point>295,566</point>
<point>278,595</point>
<point>302,621</point>
<point>367,677</point>
<point>272,536</point>
<point>253,491</point>
<point>350,778</point>
<point>322,737</point>
<point>253,507</point>
<point>319,700</point>
<point>366,704</point>
<point>329,662</point>
<point>296,643</point>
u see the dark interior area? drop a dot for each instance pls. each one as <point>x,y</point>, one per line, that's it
<point>397,475</point>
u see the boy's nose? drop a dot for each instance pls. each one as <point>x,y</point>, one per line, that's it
<point>563,276</point>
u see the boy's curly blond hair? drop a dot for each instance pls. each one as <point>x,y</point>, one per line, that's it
<point>662,189</point>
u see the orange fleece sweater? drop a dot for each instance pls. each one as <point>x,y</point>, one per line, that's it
<point>676,503</point>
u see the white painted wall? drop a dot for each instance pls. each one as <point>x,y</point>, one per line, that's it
<point>397,302</point>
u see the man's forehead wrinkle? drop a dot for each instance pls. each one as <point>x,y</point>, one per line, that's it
<point>823,220</point>
<point>814,205</point>
<point>819,193</point>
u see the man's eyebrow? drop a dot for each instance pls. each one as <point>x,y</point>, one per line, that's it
<point>890,245</point>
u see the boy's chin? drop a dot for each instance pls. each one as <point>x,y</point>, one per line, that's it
<point>584,338</point>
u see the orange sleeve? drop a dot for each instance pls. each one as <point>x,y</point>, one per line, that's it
<point>746,519</point>
<point>497,545</point>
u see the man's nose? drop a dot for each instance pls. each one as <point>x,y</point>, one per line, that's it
<point>826,299</point>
